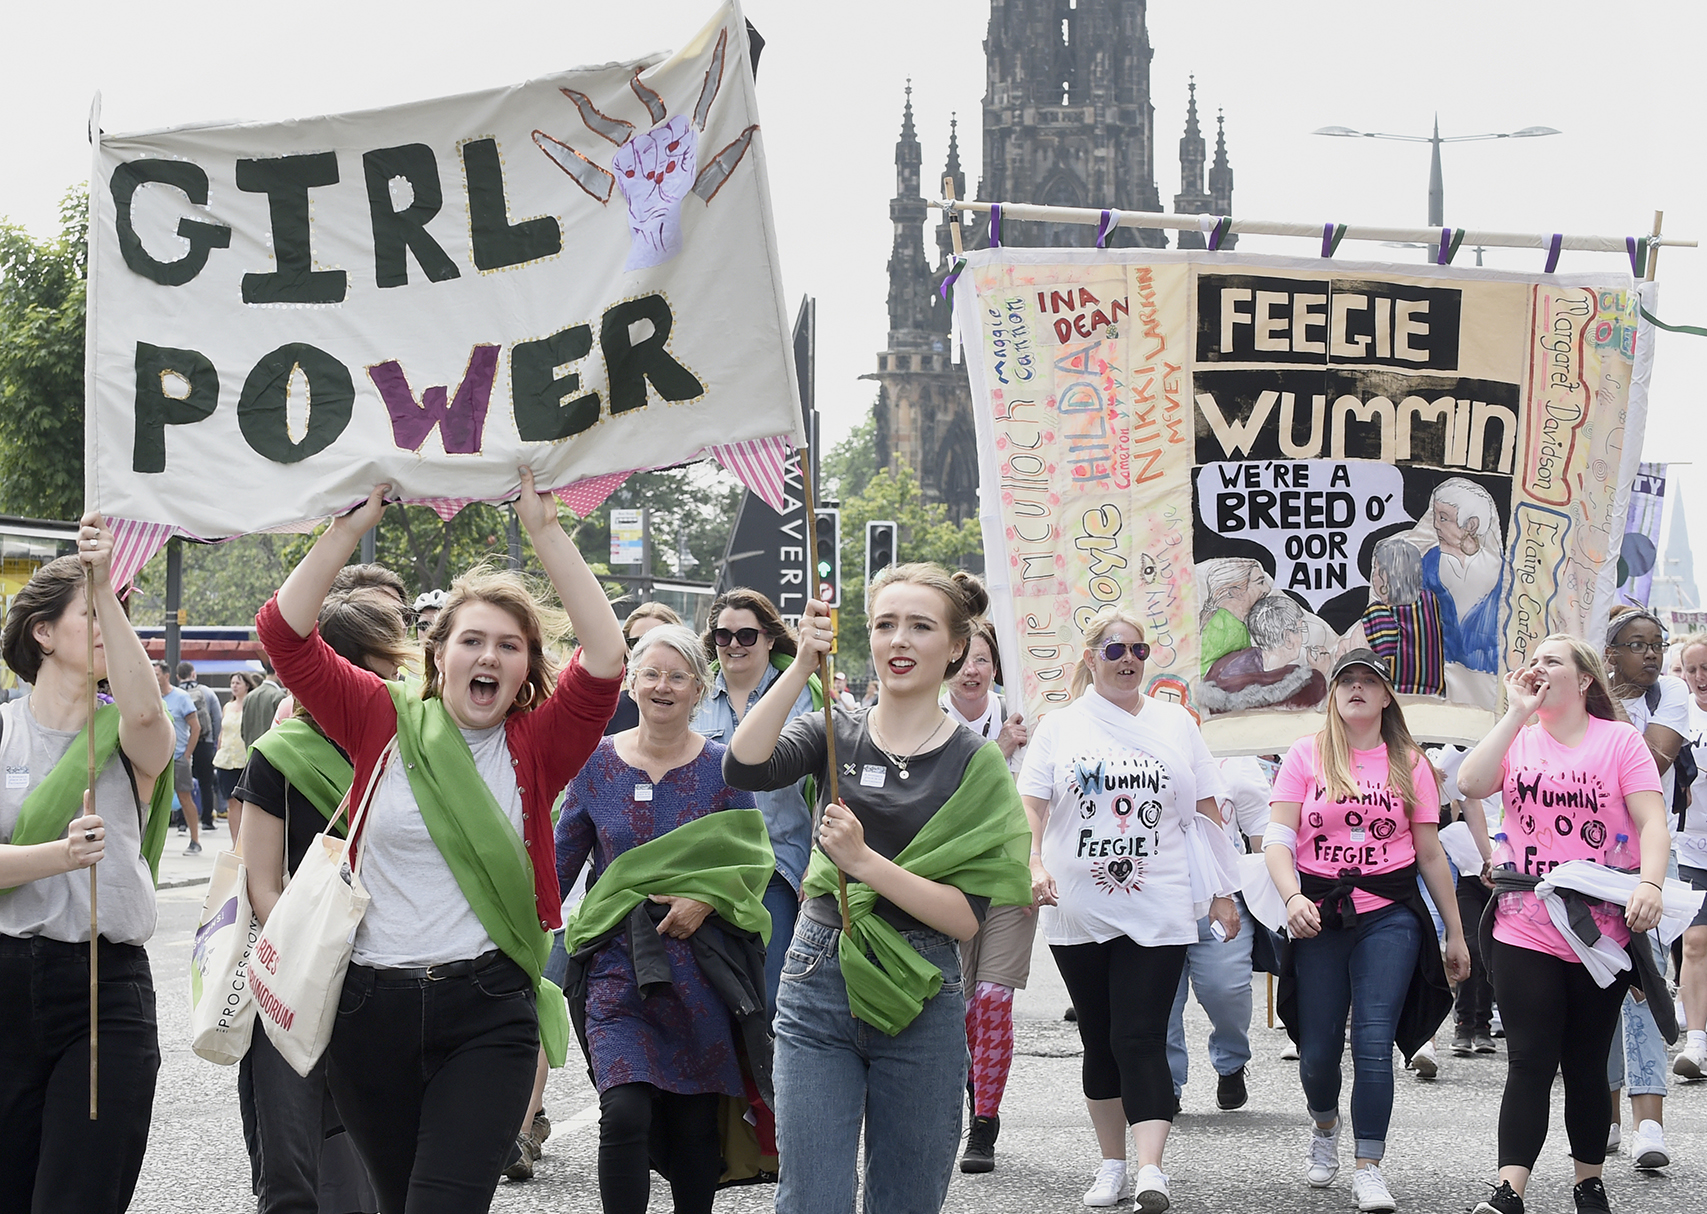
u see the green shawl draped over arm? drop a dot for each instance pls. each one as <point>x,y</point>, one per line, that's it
<point>310,763</point>
<point>723,859</point>
<point>54,803</point>
<point>482,848</point>
<point>977,842</point>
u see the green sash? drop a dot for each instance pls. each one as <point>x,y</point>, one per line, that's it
<point>311,765</point>
<point>977,842</point>
<point>486,855</point>
<point>723,859</point>
<point>57,800</point>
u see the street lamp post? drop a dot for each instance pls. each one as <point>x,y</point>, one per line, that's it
<point>1436,186</point>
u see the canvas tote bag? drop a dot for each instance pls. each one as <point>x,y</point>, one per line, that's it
<point>296,973</point>
<point>222,1013</point>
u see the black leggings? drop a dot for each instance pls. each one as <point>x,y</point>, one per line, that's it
<point>1123,993</point>
<point>1556,1021</point>
<point>1475,999</point>
<point>638,1124</point>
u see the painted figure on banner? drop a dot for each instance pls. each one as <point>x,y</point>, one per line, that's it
<point>1463,560</point>
<point>1404,621</point>
<point>1275,671</point>
<point>1228,588</point>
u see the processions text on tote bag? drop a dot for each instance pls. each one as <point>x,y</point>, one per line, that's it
<point>1273,460</point>
<point>577,273</point>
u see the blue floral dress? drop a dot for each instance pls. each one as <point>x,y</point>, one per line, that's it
<point>681,1039</point>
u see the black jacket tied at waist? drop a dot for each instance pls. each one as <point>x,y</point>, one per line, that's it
<point>1644,973</point>
<point>733,962</point>
<point>1427,1000</point>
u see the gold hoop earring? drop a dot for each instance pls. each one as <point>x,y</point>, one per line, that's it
<point>529,688</point>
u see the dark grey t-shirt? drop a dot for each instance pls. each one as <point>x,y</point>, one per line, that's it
<point>891,810</point>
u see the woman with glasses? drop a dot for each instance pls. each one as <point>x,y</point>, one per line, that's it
<point>1355,816</point>
<point>750,648</point>
<point>1114,785</point>
<point>661,1058</point>
<point>928,831</point>
<point>640,621</point>
<point>1575,783</point>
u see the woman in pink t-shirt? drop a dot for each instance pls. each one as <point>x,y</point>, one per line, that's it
<point>1573,782</point>
<point>1355,816</point>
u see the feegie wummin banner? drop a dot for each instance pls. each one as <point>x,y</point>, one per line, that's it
<point>1272,460</point>
<point>577,273</point>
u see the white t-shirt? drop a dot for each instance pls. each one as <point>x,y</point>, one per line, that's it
<point>987,725</point>
<point>1244,805</point>
<point>1120,788</point>
<point>1673,713</point>
<point>1691,844</point>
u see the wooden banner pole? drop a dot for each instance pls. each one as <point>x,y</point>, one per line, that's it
<point>94,914</point>
<point>812,589</point>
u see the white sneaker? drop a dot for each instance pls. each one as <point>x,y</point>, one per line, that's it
<point>1424,1062</point>
<point>1370,1189</point>
<point>1112,1184</point>
<point>1152,1194</point>
<point>1322,1163</point>
<point>1289,1051</point>
<point>1613,1136</point>
<point>1691,1063</point>
<point>1648,1147</point>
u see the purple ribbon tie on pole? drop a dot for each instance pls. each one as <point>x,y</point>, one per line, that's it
<point>1219,232</point>
<point>1553,251</point>
<point>995,225</point>
<point>948,281</point>
<point>1332,234</point>
<point>1443,256</point>
<point>1638,250</point>
<point>1102,228</point>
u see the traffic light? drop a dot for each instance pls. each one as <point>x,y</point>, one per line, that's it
<point>879,549</point>
<point>828,558</point>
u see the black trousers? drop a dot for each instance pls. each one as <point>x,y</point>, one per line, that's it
<point>1124,993</point>
<point>1474,1004</point>
<point>433,1078</point>
<point>207,784</point>
<point>639,1124</point>
<point>301,1160</point>
<point>52,1157</point>
<point>1557,1022</point>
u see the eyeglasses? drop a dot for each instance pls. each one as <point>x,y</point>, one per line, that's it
<point>744,637</point>
<point>1115,650</point>
<point>675,680</point>
<point>1641,646</point>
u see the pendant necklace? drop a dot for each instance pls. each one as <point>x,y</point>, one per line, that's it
<point>900,761</point>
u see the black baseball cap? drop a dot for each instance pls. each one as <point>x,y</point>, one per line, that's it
<point>1362,657</point>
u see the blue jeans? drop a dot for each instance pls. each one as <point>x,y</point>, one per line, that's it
<point>1638,1059</point>
<point>1376,959</point>
<point>783,903</point>
<point>835,1072</point>
<point>1220,973</point>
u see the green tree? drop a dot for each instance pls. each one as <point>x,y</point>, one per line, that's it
<point>847,467</point>
<point>924,533</point>
<point>696,503</point>
<point>41,365</point>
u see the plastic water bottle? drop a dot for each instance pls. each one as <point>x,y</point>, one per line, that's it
<point>1619,857</point>
<point>1511,902</point>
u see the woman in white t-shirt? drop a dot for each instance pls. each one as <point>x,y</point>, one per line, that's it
<point>1116,784</point>
<point>1690,844</point>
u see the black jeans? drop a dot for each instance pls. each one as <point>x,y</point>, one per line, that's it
<point>1124,993</point>
<point>52,1157</point>
<point>1474,1004</point>
<point>207,784</point>
<point>433,1078</point>
<point>1557,1021</point>
<point>300,1157</point>
<point>637,1123</point>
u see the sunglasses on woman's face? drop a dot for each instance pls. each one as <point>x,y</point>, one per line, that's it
<point>1115,650</point>
<point>746,638</point>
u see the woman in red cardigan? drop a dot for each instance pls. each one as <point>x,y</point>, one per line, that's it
<point>444,1008</point>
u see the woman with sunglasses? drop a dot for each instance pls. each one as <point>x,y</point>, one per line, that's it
<point>1355,817</point>
<point>929,833</point>
<point>749,648</point>
<point>1113,785</point>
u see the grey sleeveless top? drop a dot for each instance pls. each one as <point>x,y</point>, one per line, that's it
<point>58,907</point>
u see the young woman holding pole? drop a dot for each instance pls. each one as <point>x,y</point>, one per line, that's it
<point>53,830</point>
<point>928,831</point>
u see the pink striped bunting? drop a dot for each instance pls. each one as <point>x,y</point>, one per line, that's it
<point>758,464</point>
<point>134,545</point>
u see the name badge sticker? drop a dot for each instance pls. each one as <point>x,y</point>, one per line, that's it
<point>642,792</point>
<point>873,775</point>
<point>1359,835</point>
<point>17,777</point>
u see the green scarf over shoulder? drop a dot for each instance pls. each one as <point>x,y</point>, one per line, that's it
<point>310,764</point>
<point>482,848</point>
<point>54,803</point>
<point>723,859</point>
<point>977,842</point>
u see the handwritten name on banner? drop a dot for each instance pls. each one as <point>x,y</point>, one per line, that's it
<point>1267,462</point>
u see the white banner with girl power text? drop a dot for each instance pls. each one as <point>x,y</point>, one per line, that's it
<point>577,273</point>
<point>1273,460</point>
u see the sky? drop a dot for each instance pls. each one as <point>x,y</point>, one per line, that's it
<point>1626,92</point>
